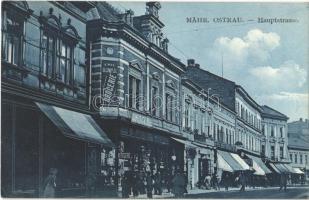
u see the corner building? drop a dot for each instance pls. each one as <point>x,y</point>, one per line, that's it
<point>136,90</point>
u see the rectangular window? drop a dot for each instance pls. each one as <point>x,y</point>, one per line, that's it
<point>263,149</point>
<point>134,92</point>
<point>272,131</point>
<point>154,101</point>
<point>281,152</point>
<point>295,158</point>
<point>272,152</point>
<point>12,31</point>
<point>263,129</point>
<point>306,159</point>
<point>291,157</point>
<point>187,113</point>
<point>169,107</point>
<point>301,159</point>
<point>281,132</point>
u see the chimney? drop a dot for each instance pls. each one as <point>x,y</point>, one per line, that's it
<point>191,62</point>
<point>301,119</point>
<point>197,65</point>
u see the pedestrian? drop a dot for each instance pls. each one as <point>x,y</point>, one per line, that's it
<point>242,181</point>
<point>49,184</point>
<point>215,182</point>
<point>178,184</point>
<point>283,182</point>
<point>149,182</point>
<point>158,183</point>
<point>207,180</point>
<point>168,181</point>
<point>141,184</point>
<point>125,186</point>
<point>226,180</point>
<point>135,184</point>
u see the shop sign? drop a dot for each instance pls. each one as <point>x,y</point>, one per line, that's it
<point>124,155</point>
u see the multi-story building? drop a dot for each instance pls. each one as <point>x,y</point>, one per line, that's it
<point>46,120</point>
<point>274,129</point>
<point>298,148</point>
<point>136,89</point>
<point>197,117</point>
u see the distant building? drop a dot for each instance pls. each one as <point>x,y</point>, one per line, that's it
<point>274,130</point>
<point>299,145</point>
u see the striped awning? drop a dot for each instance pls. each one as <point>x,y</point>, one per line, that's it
<point>76,125</point>
<point>298,171</point>
<point>222,164</point>
<point>185,142</point>
<point>274,168</point>
<point>234,161</point>
<point>260,163</point>
<point>243,164</point>
<point>282,168</point>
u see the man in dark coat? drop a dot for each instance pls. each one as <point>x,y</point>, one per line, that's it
<point>179,184</point>
<point>242,181</point>
<point>149,182</point>
<point>283,182</point>
<point>158,183</point>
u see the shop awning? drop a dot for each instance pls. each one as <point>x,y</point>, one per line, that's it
<point>281,168</point>
<point>261,164</point>
<point>76,125</point>
<point>274,168</point>
<point>258,170</point>
<point>222,164</point>
<point>289,168</point>
<point>185,142</point>
<point>242,163</point>
<point>231,161</point>
<point>298,171</point>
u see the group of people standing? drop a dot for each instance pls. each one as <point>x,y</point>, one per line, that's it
<point>136,183</point>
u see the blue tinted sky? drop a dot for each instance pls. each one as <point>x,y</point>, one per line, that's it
<point>269,60</point>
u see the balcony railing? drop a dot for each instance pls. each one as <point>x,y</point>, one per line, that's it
<point>199,138</point>
<point>225,146</point>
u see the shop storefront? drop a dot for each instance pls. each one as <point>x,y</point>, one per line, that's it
<point>142,151</point>
<point>37,137</point>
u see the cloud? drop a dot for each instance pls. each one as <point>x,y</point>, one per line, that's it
<point>255,45</point>
<point>294,105</point>
<point>287,77</point>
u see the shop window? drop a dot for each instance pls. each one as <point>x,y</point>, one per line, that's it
<point>12,31</point>
<point>27,150</point>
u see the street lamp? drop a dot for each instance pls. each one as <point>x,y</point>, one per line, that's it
<point>208,96</point>
<point>218,99</point>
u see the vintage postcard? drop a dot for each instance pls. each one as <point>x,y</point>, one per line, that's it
<point>156,99</point>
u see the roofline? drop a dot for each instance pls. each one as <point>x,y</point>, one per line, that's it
<point>247,96</point>
<point>267,115</point>
<point>187,81</point>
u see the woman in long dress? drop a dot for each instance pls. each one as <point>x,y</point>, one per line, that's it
<point>49,184</point>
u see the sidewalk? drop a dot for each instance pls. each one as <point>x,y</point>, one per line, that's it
<point>204,191</point>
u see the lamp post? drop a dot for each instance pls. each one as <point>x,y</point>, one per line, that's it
<point>218,99</point>
<point>208,96</point>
